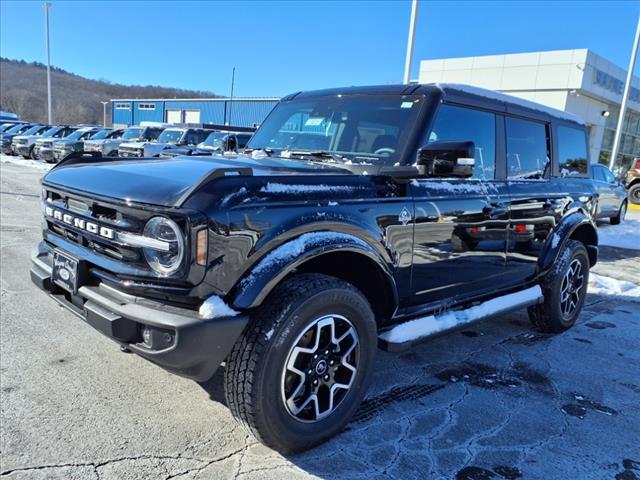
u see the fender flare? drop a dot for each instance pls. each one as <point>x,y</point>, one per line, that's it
<point>254,286</point>
<point>562,233</point>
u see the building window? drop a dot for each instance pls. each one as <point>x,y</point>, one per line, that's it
<point>123,106</point>
<point>461,124</point>
<point>146,106</point>
<point>572,152</point>
<point>527,149</point>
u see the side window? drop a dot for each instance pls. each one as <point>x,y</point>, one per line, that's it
<point>608,176</point>
<point>462,124</point>
<point>597,174</point>
<point>572,152</point>
<point>527,149</point>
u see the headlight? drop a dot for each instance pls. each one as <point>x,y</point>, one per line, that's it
<point>164,261</point>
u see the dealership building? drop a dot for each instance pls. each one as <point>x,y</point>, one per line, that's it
<point>576,81</point>
<point>238,112</point>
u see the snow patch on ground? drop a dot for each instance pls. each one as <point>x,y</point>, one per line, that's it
<point>214,307</point>
<point>601,285</point>
<point>285,188</point>
<point>429,325</point>
<point>27,163</point>
<point>624,235</point>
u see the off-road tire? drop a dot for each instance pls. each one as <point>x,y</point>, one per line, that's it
<point>254,368</point>
<point>634,194</point>
<point>621,213</point>
<point>548,316</point>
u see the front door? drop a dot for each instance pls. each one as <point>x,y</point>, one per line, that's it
<point>460,224</point>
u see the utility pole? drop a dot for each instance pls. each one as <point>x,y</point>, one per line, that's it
<point>412,31</point>
<point>625,96</point>
<point>47,6</point>
<point>233,79</point>
<point>104,114</point>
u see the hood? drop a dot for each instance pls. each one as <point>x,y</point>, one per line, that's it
<point>134,144</point>
<point>62,143</point>
<point>165,180</point>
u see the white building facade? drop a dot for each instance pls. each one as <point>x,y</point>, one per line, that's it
<point>577,81</point>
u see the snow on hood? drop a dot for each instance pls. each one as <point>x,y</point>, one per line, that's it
<point>134,144</point>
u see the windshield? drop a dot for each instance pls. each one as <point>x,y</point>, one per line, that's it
<point>34,130</point>
<point>101,134</point>
<point>5,127</point>
<point>18,128</point>
<point>75,135</point>
<point>170,136</point>
<point>215,140</point>
<point>51,132</point>
<point>131,133</point>
<point>367,129</point>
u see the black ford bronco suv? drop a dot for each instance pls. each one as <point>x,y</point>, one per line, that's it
<point>356,218</point>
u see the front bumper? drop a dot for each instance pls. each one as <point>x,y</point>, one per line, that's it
<point>24,150</point>
<point>6,148</point>
<point>46,154</point>
<point>124,153</point>
<point>197,347</point>
<point>60,155</point>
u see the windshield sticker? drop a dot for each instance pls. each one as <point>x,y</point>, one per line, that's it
<point>314,121</point>
<point>406,105</point>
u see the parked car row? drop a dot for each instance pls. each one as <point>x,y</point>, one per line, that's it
<point>54,143</point>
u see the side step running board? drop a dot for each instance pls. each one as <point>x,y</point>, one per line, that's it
<point>407,334</point>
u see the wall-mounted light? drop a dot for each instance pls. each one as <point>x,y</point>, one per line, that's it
<point>605,113</point>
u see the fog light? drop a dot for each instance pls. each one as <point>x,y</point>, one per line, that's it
<point>146,335</point>
<point>157,338</point>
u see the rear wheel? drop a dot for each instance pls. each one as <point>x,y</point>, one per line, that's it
<point>303,364</point>
<point>634,194</point>
<point>564,289</point>
<point>620,216</point>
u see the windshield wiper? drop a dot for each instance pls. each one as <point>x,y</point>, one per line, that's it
<point>268,151</point>
<point>319,154</point>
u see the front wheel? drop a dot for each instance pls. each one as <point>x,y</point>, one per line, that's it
<point>303,364</point>
<point>564,289</point>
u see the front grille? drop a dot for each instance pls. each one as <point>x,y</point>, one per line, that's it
<point>92,147</point>
<point>20,141</point>
<point>120,219</point>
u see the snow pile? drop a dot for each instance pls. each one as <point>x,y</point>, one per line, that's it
<point>429,325</point>
<point>284,188</point>
<point>214,307</point>
<point>624,235</point>
<point>601,285</point>
<point>27,163</point>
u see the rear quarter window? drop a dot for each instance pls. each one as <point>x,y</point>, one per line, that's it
<point>572,152</point>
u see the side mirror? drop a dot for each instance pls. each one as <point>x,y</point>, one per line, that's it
<point>447,159</point>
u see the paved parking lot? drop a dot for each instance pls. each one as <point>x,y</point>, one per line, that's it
<point>496,401</point>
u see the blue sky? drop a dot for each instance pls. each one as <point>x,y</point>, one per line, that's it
<point>281,47</point>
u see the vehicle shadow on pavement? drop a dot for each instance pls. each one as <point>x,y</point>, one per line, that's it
<point>492,401</point>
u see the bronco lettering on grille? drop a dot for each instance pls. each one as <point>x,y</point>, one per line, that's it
<point>80,223</point>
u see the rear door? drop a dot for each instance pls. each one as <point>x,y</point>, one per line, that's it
<point>536,200</point>
<point>461,224</point>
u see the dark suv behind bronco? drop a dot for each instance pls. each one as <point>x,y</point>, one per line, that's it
<point>357,217</point>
